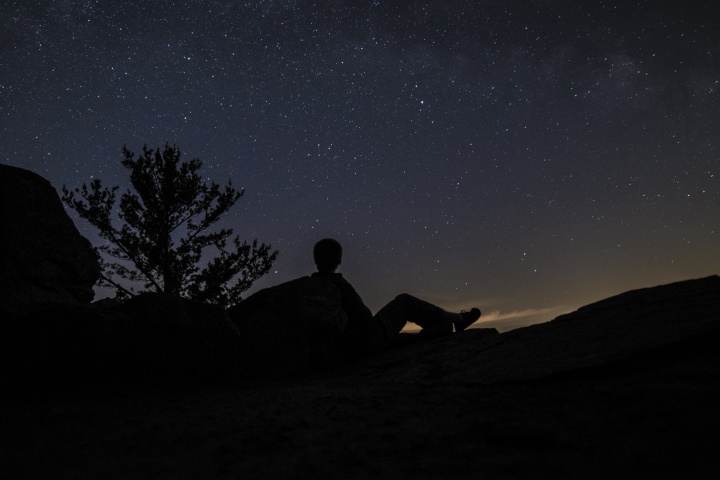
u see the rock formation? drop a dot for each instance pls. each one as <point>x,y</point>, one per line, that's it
<point>291,327</point>
<point>52,335</point>
<point>43,257</point>
<point>611,330</point>
<point>173,338</point>
<point>625,387</point>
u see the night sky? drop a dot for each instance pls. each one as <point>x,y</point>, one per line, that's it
<point>523,157</point>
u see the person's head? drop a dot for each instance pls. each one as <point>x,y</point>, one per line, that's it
<point>328,255</point>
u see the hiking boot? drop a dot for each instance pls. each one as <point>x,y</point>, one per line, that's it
<point>466,319</point>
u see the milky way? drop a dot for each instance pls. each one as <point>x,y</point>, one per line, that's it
<point>522,157</point>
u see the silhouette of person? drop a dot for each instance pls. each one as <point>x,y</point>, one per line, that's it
<point>367,331</point>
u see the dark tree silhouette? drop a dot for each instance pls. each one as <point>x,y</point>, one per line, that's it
<point>164,233</point>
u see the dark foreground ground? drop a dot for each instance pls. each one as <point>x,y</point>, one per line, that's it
<point>626,388</point>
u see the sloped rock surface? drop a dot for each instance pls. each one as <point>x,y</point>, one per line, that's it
<point>605,331</point>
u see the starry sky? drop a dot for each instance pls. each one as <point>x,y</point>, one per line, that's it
<point>525,157</point>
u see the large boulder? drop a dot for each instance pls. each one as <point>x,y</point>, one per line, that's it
<point>43,257</point>
<point>291,327</point>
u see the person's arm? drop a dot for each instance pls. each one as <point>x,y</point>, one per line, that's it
<point>351,300</point>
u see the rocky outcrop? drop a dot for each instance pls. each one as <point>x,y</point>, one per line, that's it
<point>158,339</point>
<point>291,327</point>
<point>173,338</point>
<point>153,339</point>
<point>52,334</point>
<point>623,387</point>
<point>43,257</point>
<point>607,332</point>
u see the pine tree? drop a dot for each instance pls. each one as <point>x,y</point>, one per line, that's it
<point>164,234</point>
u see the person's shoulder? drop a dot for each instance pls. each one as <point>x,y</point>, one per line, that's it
<point>333,277</point>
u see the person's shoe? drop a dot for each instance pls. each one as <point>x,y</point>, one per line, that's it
<point>466,319</point>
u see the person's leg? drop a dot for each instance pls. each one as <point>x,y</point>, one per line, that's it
<point>391,319</point>
<point>406,308</point>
